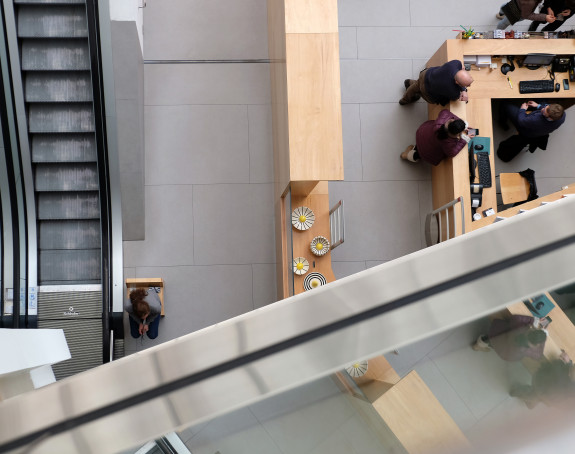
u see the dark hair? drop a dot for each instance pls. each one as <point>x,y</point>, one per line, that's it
<point>454,128</point>
<point>141,307</point>
<point>536,337</point>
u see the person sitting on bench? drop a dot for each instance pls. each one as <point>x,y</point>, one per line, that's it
<point>144,313</point>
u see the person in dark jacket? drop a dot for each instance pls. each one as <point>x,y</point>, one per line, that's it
<point>438,139</point>
<point>514,338</point>
<point>543,120</point>
<point>562,10</point>
<point>438,84</point>
<point>517,10</point>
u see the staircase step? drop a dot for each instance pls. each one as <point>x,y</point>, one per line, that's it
<point>74,234</point>
<point>37,21</point>
<point>63,148</point>
<point>49,117</point>
<point>55,55</point>
<point>69,265</point>
<point>66,205</point>
<point>58,87</point>
<point>66,177</point>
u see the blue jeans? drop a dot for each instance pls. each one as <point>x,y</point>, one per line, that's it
<point>152,330</point>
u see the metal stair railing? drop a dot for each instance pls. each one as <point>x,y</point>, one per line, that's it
<point>441,215</point>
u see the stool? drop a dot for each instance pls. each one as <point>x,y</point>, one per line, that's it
<point>514,188</point>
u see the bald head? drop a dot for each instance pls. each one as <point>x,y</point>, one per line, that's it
<point>463,78</point>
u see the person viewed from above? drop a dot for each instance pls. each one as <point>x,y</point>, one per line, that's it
<point>144,311</point>
<point>517,10</point>
<point>438,84</point>
<point>514,338</point>
<point>438,139</point>
<point>561,9</point>
<point>543,120</point>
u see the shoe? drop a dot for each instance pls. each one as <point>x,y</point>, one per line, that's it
<point>403,102</point>
<point>500,15</point>
<point>407,83</point>
<point>479,348</point>
<point>405,154</point>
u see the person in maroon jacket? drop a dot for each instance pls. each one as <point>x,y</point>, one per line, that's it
<point>438,139</point>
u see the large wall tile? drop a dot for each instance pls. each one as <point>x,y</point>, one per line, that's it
<point>234,224</point>
<point>364,81</point>
<point>199,296</point>
<point>373,12</point>
<point>261,144</point>
<point>169,229</point>
<point>347,42</point>
<point>344,269</point>
<point>197,144</point>
<point>479,15</point>
<point>264,284</point>
<point>172,84</point>
<point>399,42</point>
<point>382,220</point>
<point>205,29</point>
<point>386,130</point>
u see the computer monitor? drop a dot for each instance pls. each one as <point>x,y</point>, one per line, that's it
<point>534,61</point>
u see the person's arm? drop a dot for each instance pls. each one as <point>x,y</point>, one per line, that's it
<point>528,12</point>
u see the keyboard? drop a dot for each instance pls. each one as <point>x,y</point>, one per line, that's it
<point>484,168</point>
<point>536,86</point>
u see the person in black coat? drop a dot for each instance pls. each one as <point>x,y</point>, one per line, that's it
<point>562,9</point>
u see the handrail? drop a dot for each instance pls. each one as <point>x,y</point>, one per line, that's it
<point>337,225</point>
<point>92,17</point>
<point>438,214</point>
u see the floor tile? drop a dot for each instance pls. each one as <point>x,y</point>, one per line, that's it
<point>301,419</point>
<point>372,13</point>
<point>234,224</point>
<point>200,296</point>
<point>347,42</point>
<point>480,379</point>
<point>445,394</point>
<point>353,437</point>
<point>352,161</point>
<point>373,81</point>
<point>197,145</point>
<point>237,432</point>
<point>386,130</point>
<point>399,42</point>
<point>367,215</point>
<point>344,269</point>
<point>195,30</point>
<point>169,216</point>
<point>174,84</point>
<point>264,284</point>
<point>372,263</point>
<point>261,144</point>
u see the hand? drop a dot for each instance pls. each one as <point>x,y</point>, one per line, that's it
<point>532,104</point>
<point>566,12</point>
<point>463,96</point>
<point>470,135</point>
<point>564,357</point>
<point>141,329</point>
<point>524,106</point>
<point>549,18</point>
<point>543,322</point>
<point>146,328</point>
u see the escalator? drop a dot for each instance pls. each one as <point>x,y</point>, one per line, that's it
<point>58,50</point>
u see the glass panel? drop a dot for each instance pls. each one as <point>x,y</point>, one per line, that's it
<point>464,387</point>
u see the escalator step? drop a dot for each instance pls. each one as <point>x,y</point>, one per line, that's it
<point>58,87</point>
<point>60,118</point>
<point>84,338</point>
<point>67,177</point>
<point>71,234</point>
<point>66,266</point>
<point>65,205</point>
<point>55,55</point>
<point>63,148</point>
<point>53,22</point>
